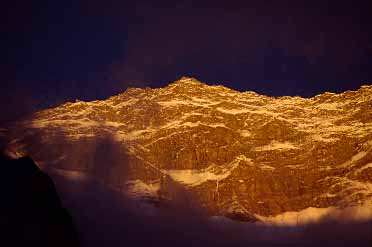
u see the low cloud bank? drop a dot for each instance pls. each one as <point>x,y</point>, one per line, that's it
<point>105,217</point>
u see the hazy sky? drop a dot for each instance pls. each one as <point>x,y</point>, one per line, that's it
<point>61,50</point>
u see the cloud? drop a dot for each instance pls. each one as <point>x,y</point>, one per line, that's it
<point>105,218</point>
<point>16,104</point>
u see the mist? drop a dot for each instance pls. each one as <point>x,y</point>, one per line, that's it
<point>106,216</point>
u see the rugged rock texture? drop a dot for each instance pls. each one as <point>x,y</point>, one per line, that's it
<point>237,153</point>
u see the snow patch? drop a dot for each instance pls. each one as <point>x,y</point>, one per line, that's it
<point>133,135</point>
<point>354,158</point>
<point>312,215</point>
<point>334,106</point>
<point>275,145</point>
<point>194,177</point>
<point>323,139</point>
<point>267,167</point>
<point>245,133</point>
<point>369,165</point>
<point>138,188</point>
<point>193,102</point>
<point>232,111</point>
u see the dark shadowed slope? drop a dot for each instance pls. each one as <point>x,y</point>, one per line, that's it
<point>31,211</point>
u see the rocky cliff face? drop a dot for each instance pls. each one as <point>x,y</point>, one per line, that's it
<point>235,153</point>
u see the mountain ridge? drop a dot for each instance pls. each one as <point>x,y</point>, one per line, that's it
<point>194,81</point>
<point>235,152</point>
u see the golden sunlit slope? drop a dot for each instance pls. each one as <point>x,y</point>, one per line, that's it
<point>235,153</point>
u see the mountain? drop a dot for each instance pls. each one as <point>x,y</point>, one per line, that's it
<point>238,154</point>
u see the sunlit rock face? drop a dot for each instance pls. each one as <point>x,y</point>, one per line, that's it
<point>234,153</point>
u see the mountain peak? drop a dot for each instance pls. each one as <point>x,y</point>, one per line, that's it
<point>187,81</point>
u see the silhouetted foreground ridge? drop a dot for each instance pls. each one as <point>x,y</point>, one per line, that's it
<point>32,214</point>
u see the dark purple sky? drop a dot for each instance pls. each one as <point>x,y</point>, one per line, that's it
<point>57,51</point>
